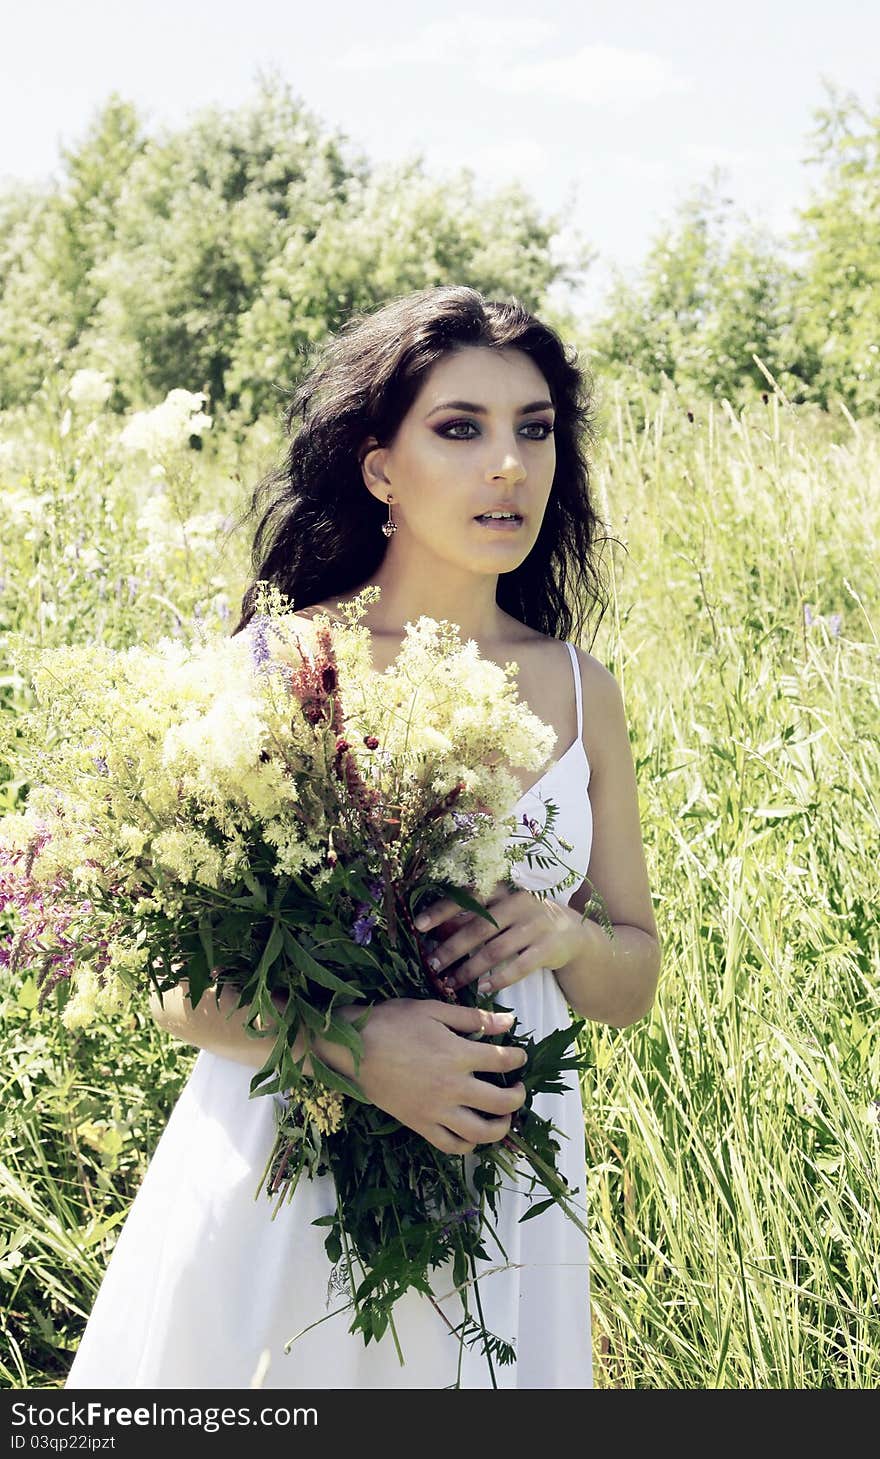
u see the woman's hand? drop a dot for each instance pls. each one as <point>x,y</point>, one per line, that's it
<point>420,1066</point>
<point>532,933</point>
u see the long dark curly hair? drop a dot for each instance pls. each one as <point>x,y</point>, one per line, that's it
<point>318,531</point>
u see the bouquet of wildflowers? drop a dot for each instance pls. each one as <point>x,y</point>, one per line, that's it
<point>268,811</point>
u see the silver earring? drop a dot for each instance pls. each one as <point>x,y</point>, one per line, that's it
<point>389,526</point>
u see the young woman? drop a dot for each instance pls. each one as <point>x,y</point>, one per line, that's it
<point>440,454</point>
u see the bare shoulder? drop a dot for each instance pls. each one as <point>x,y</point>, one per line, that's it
<point>594,673</point>
<point>308,615</point>
<point>617,867</point>
<point>304,619</point>
<point>603,705</point>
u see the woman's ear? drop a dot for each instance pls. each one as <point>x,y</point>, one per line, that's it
<point>371,457</point>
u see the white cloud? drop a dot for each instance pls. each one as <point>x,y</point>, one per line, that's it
<point>769,156</point>
<point>510,160</point>
<point>593,75</point>
<point>629,167</point>
<point>719,156</point>
<point>462,39</point>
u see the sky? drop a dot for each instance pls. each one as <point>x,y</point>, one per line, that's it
<point>609,112</point>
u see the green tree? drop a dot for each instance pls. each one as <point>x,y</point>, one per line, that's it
<point>395,231</point>
<point>205,212</point>
<point>216,256</point>
<point>50,244</point>
<point>708,298</point>
<point>34,310</point>
<point>713,292</point>
<point>838,298</point>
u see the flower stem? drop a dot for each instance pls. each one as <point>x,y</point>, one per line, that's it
<point>486,1349</point>
<point>550,1180</point>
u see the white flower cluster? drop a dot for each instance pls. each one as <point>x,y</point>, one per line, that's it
<point>23,509</point>
<point>91,997</point>
<point>165,535</point>
<point>90,389</point>
<point>167,427</point>
<point>159,770</point>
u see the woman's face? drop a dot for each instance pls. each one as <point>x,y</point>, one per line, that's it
<point>477,438</point>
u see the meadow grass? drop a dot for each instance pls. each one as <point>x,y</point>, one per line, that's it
<point>731,1135</point>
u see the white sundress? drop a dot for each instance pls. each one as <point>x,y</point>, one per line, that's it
<point>204,1289</point>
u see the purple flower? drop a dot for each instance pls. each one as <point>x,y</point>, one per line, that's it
<point>100,764</point>
<point>261,654</point>
<point>43,936</point>
<point>362,929</point>
<point>458,1218</point>
<point>260,651</point>
<point>834,620</point>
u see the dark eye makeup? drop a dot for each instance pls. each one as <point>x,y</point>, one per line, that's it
<point>450,425</point>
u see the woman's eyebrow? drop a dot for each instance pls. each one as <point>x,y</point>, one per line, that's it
<point>481,409</point>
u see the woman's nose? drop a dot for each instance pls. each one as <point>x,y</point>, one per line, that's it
<point>510,466</point>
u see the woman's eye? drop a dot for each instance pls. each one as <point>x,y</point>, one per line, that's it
<point>543,427</point>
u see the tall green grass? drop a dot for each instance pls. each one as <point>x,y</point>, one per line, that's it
<point>732,1136</point>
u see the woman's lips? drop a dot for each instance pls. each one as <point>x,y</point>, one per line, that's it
<point>500,524</point>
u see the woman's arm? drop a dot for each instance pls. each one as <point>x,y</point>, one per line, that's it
<point>613,980</point>
<point>219,1029</point>
<point>418,1064</point>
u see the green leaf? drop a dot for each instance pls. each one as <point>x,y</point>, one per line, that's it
<point>333,1246</point>
<point>340,1031</point>
<point>389,1127</point>
<point>198,975</point>
<point>373,1200</point>
<point>464,899</point>
<point>206,938</point>
<point>256,888</point>
<point>537,1208</point>
<point>272,950</point>
<point>335,1081</point>
<point>313,1018</point>
<point>304,961</point>
<point>270,1069</point>
<point>346,951</point>
<point>27,994</point>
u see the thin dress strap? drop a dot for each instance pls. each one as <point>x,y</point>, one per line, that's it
<point>577,687</point>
